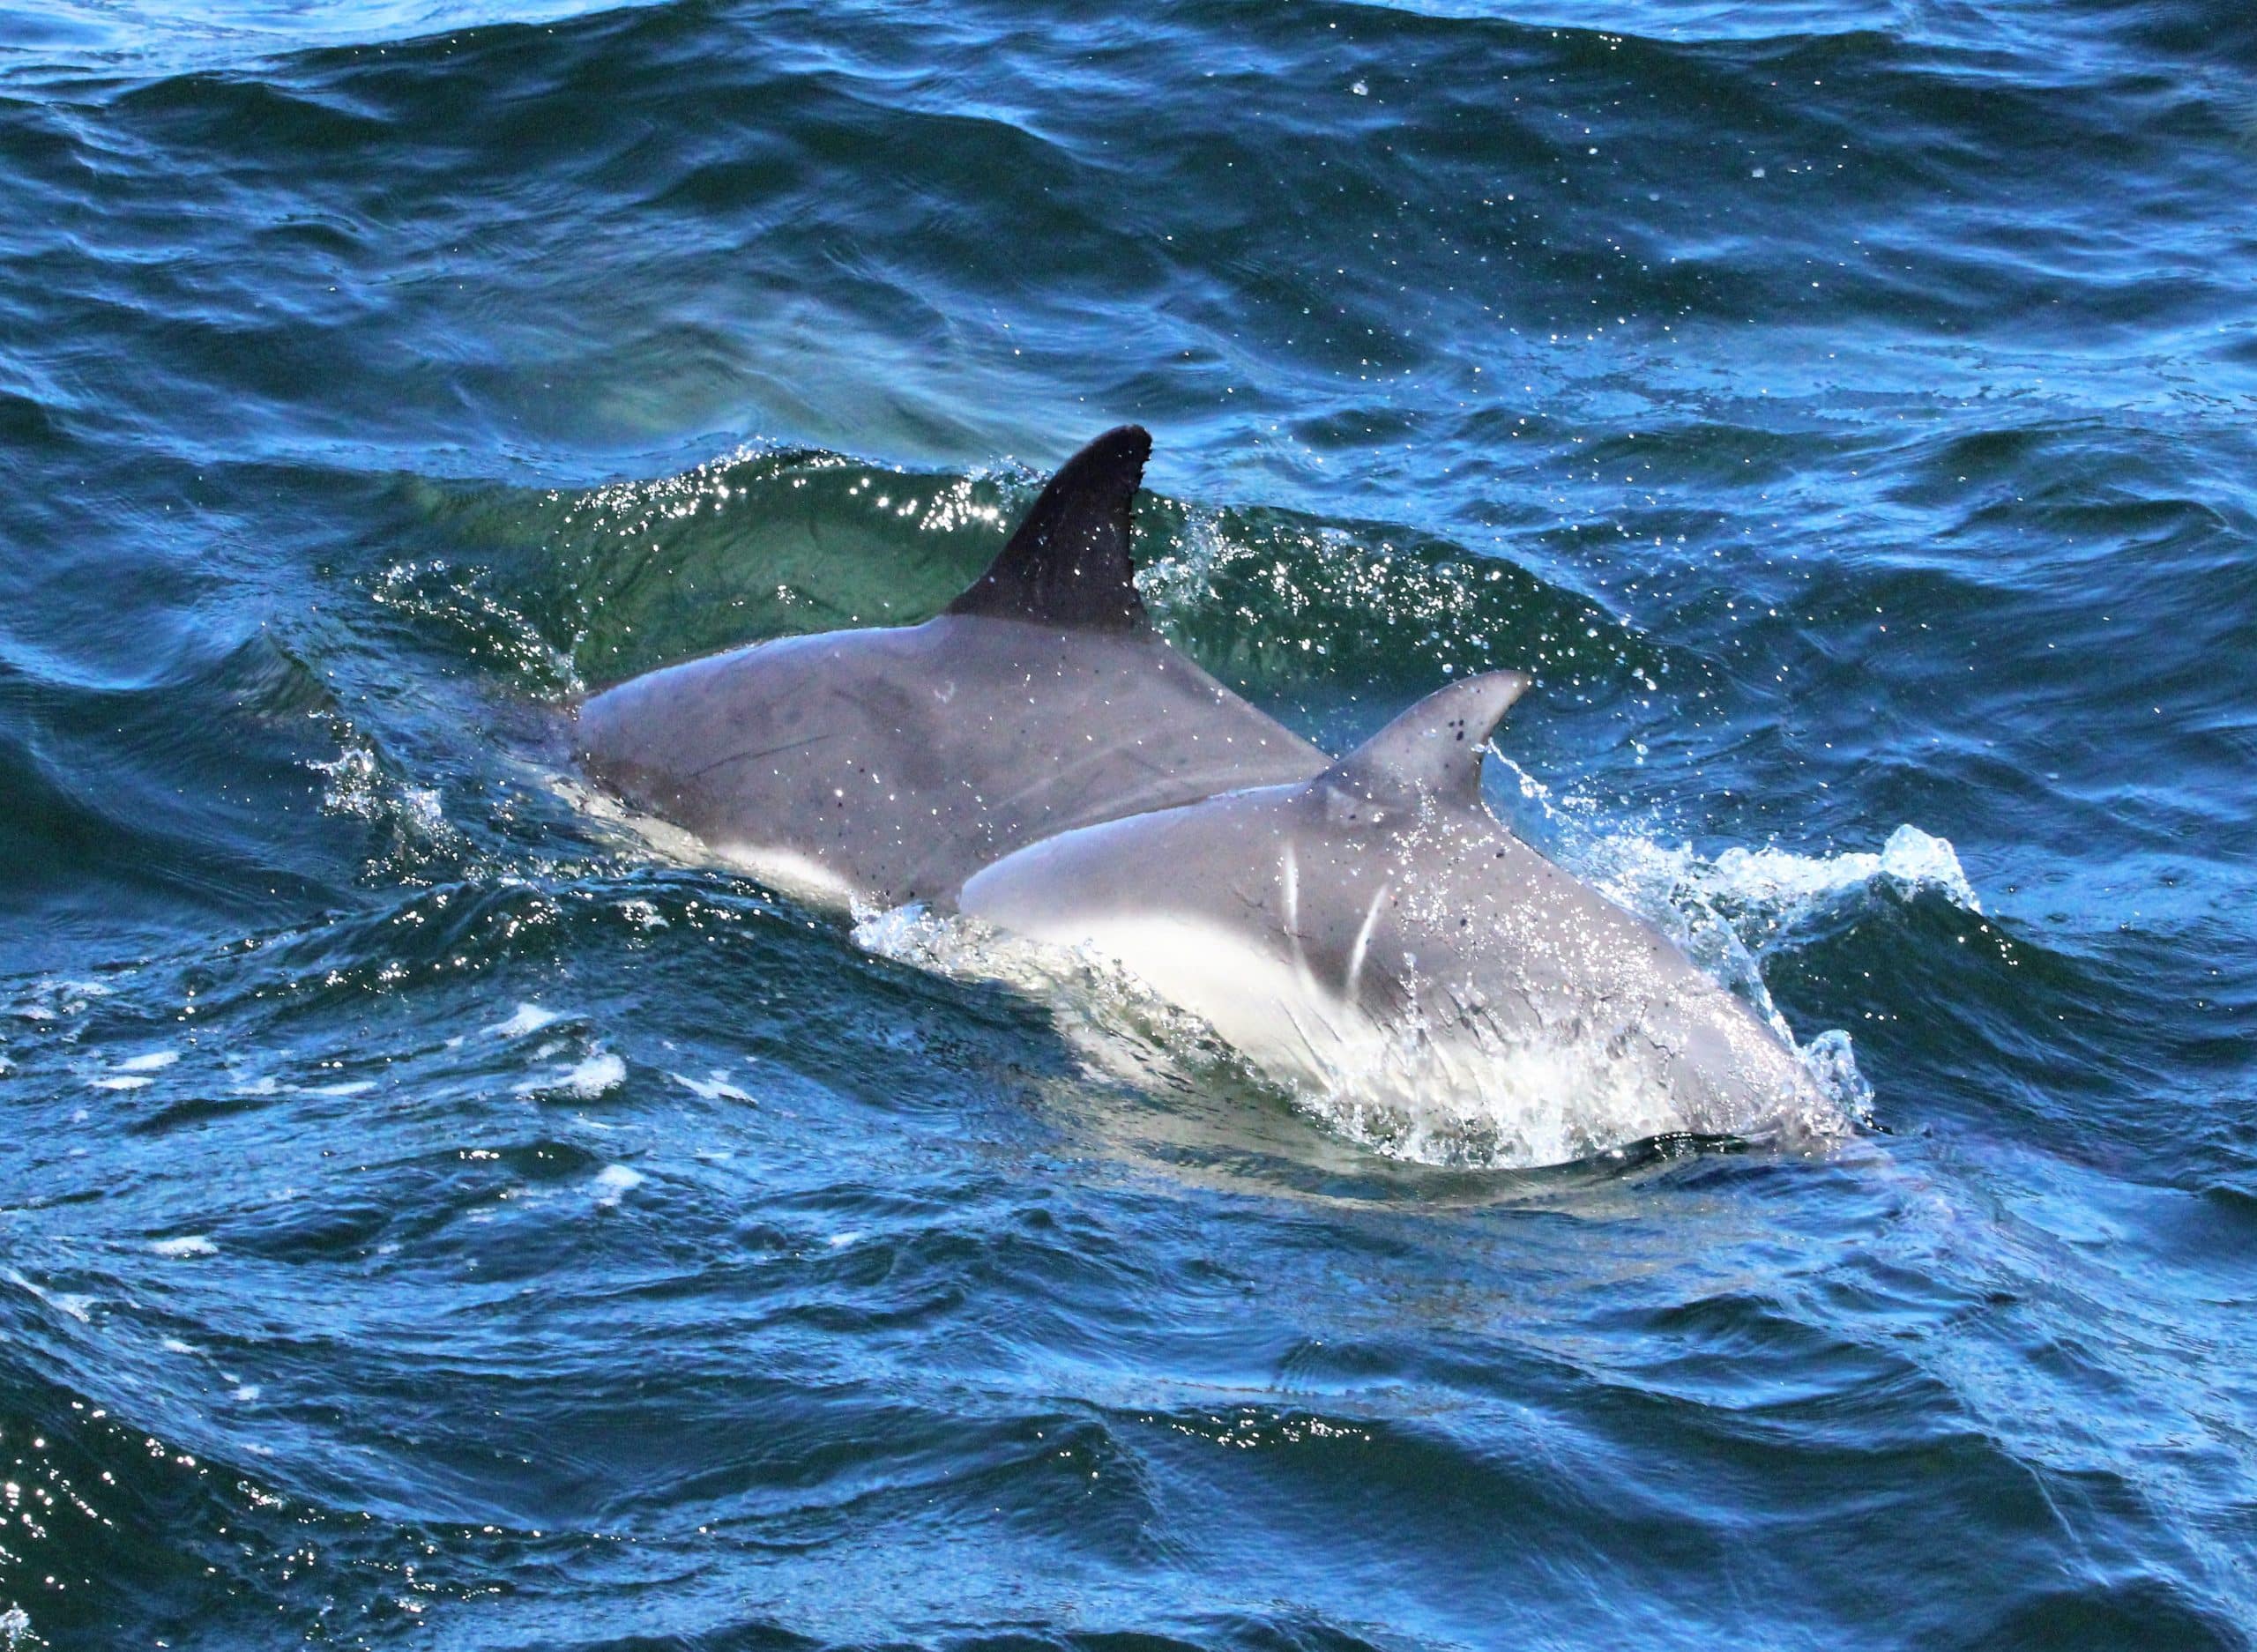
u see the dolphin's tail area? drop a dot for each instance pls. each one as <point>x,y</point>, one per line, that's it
<point>1068,563</point>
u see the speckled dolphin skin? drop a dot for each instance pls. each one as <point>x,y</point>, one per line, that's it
<point>881,766</point>
<point>1377,922</point>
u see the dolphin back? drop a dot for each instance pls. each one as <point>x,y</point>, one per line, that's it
<point>1375,934</point>
<point>885,765</point>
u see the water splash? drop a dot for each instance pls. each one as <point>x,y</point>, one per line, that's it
<point>413,838</point>
<point>596,1075</point>
<point>1776,880</point>
<point>1728,911</point>
<point>1440,1086</point>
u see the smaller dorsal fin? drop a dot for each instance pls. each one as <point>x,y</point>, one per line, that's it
<point>1068,563</point>
<point>1436,747</point>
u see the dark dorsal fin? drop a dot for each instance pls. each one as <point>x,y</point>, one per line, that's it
<point>1434,746</point>
<point>1068,563</point>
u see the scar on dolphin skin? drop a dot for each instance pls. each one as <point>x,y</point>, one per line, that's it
<point>755,756</point>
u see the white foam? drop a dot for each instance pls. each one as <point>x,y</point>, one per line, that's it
<point>185,1245</point>
<point>590,1078</point>
<point>356,785</point>
<point>616,1180</point>
<point>596,1075</point>
<point>1834,1064</point>
<point>1724,912</point>
<point>526,1018</point>
<point>420,805</point>
<point>76,1306</point>
<point>913,935</point>
<point>353,785</point>
<point>150,1063</point>
<point>1911,859</point>
<point>1757,889</point>
<point>1459,1088</point>
<point>715,1088</point>
<point>1538,1101</point>
<point>55,997</point>
<point>131,1081</point>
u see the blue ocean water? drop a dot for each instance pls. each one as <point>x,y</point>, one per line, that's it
<point>429,1220</point>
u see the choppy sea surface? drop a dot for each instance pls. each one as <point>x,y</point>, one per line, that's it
<point>428,1219</point>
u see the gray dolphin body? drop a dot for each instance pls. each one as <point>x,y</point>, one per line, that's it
<point>887,766</point>
<point>1375,928</point>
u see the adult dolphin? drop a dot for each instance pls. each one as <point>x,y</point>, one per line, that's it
<point>1376,925</point>
<point>881,766</point>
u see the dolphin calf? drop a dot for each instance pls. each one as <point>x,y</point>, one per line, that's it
<point>1374,929</point>
<point>881,766</point>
